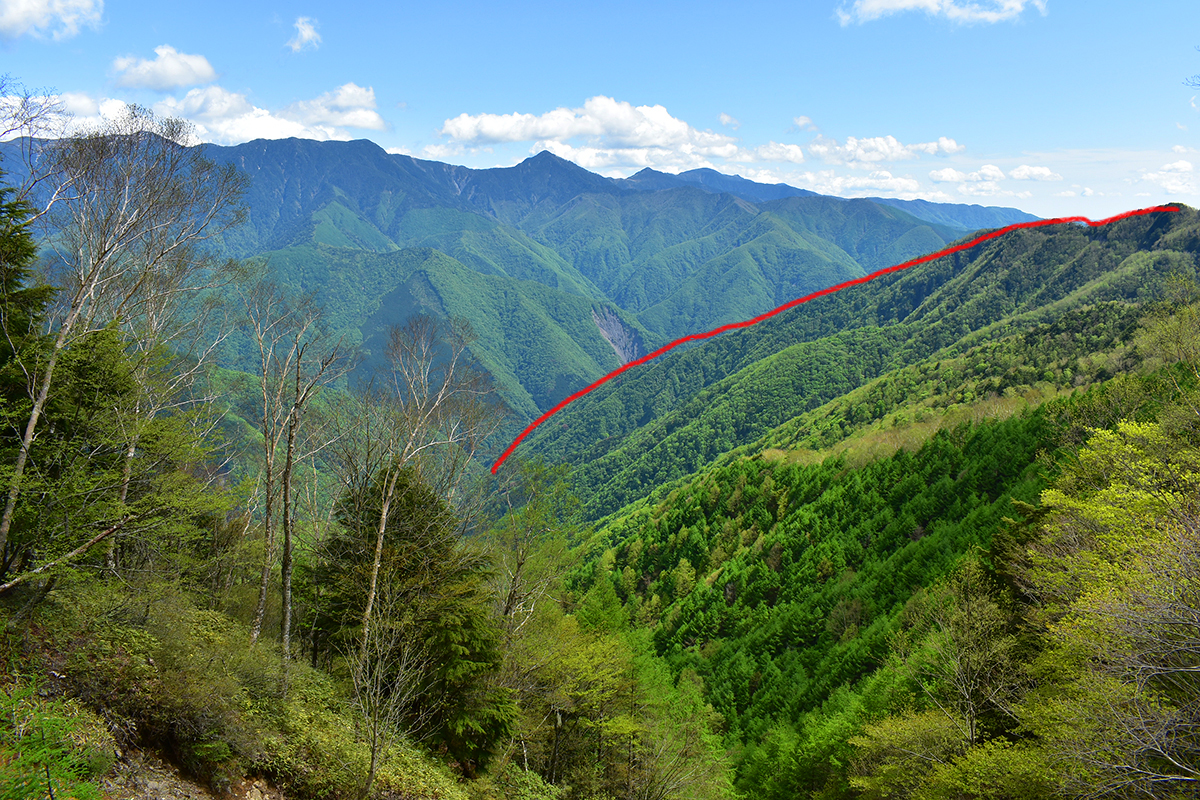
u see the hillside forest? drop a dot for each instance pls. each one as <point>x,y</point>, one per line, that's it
<point>935,536</point>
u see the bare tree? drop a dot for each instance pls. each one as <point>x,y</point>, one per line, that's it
<point>27,117</point>
<point>387,670</point>
<point>296,358</point>
<point>127,231</point>
<point>960,652</point>
<point>431,412</point>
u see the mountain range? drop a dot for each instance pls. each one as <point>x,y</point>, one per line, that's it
<point>564,274</point>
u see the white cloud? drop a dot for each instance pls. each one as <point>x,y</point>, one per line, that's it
<point>306,35</point>
<point>730,121</point>
<point>226,117</point>
<point>1028,173</point>
<point>774,151</point>
<point>864,153</point>
<point>1175,178</point>
<point>1066,193</point>
<point>83,112</point>
<point>953,10</point>
<point>170,69</point>
<point>988,172</point>
<point>803,123</point>
<point>349,106</point>
<point>398,151</point>
<point>604,122</point>
<point>61,19</point>
<point>440,152</point>
<point>947,175</point>
<point>1181,149</point>
<point>604,134</point>
<point>879,182</point>
<point>988,188</point>
<point>79,104</point>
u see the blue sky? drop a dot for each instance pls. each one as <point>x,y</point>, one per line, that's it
<point>1055,107</point>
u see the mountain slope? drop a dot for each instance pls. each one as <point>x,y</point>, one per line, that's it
<point>668,418</point>
<point>538,343</point>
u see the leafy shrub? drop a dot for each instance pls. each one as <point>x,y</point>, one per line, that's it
<point>48,748</point>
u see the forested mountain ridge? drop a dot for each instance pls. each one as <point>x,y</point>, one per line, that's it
<point>963,564</point>
<point>668,418</point>
<point>669,260</point>
<point>828,600</point>
<point>668,255</point>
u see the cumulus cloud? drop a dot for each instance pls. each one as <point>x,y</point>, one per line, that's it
<point>866,153</point>
<point>961,12</point>
<point>983,182</point>
<point>986,173</point>
<point>170,69</point>
<point>349,106</point>
<point>878,182</point>
<point>774,151</point>
<point>730,121</point>
<point>947,175</point>
<point>1174,178</point>
<point>1028,173</point>
<point>803,123</point>
<point>603,134</point>
<point>988,189</point>
<point>604,121</point>
<point>306,35</point>
<point>79,104</point>
<point>227,117</point>
<point>61,19</point>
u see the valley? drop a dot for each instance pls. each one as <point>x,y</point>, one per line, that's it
<point>929,536</point>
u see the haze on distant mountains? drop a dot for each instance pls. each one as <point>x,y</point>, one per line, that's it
<point>1056,108</point>
<point>562,273</point>
<point>932,535</point>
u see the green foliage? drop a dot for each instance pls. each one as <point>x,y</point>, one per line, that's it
<point>803,571</point>
<point>667,420</point>
<point>39,752</point>
<point>435,595</point>
<point>183,679</point>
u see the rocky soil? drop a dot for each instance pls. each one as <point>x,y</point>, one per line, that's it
<point>144,776</point>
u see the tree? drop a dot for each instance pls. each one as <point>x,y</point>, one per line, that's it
<point>959,652</point>
<point>26,117</point>
<point>529,545</point>
<point>431,411</point>
<point>1116,573</point>
<point>126,230</point>
<point>296,359</point>
<point>432,599</point>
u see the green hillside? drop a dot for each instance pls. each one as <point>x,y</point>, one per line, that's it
<point>934,537</point>
<point>787,574</point>
<point>668,418</point>
<point>538,343</point>
<point>334,219</point>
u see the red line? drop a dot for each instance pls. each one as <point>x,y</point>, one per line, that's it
<point>695,337</point>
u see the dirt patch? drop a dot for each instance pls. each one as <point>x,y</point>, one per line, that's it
<point>144,776</point>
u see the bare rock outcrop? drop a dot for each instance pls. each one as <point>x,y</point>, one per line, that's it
<point>625,341</point>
